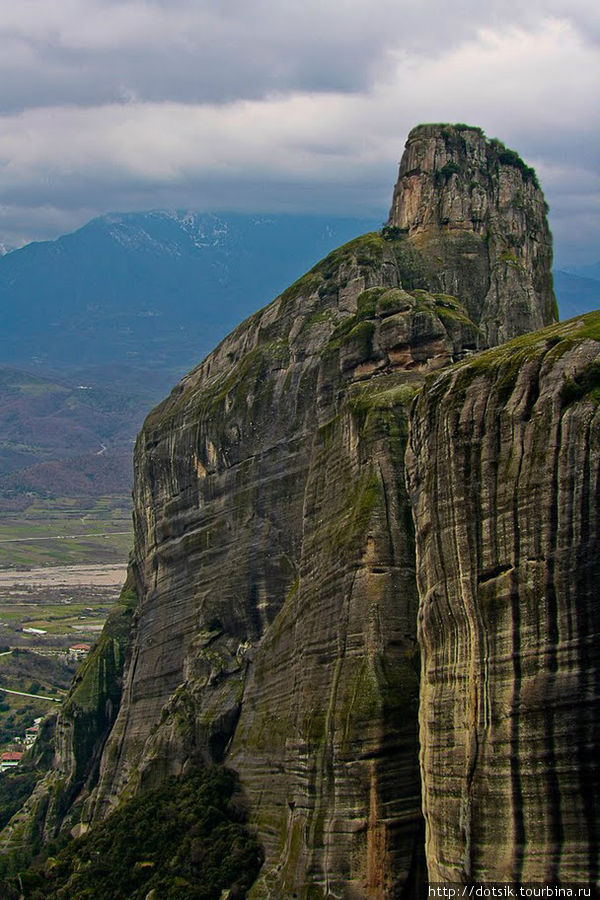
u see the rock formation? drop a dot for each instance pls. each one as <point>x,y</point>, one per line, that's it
<point>274,558</point>
<point>504,471</point>
<point>476,213</point>
<point>274,540</point>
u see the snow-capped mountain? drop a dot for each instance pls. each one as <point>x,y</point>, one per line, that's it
<point>160,286</point>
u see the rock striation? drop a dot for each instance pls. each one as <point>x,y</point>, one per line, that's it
<point>274,560</point>
<point>504,473</point>
<point>274,538</point>
<point>476,213</point>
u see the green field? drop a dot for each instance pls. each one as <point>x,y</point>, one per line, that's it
<point>48,535</point>
<point>64,531</point>
<point>69,615</point>
<point>38,664</point>
<point>68,612</point>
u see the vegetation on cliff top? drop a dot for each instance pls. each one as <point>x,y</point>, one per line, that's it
<point>505,362</point>
<point>498,153</point>
<point>367,252</point>
<point>559,338</point>
<point>314,297</point>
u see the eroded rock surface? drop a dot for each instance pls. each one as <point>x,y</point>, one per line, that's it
<point>273,542</point>
<point>477,215</point>
<point>504,471</point>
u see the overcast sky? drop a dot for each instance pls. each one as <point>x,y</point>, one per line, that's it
<point>255,105</point>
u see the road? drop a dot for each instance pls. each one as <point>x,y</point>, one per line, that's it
<point>62,537</point>
<point>23,694</point>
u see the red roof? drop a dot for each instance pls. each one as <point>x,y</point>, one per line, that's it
<point>80,647</point>
<point>11,756</point>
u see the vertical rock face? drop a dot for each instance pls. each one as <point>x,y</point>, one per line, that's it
<point>504,471</point>
<point>477,214</point>
<point>327,735</point>
<point>274,553</point>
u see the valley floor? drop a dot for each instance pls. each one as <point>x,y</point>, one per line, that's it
<point>49,619</point>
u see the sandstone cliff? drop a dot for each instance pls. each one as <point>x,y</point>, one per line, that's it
<point>504,472</point>
<point>273,542</point>
<point>477,215</point>
<point>274,557</point>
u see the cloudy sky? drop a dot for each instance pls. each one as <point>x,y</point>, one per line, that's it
<point>295,105</point>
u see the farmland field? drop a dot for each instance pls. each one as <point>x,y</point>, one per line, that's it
<point>62,564</point>
<point>63,531</point>
<point>68,603</point>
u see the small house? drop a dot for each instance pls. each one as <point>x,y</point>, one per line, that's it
<point>78,652</point>
<point>10,759</point>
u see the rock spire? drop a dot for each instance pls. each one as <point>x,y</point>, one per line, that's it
<point>476,212</point>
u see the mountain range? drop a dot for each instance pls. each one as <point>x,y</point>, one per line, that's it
<point>157,286</point>
<point>125,306</point>
<point>97,325</point>
<point>166,286</point>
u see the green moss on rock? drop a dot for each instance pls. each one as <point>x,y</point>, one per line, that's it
<point>392,301</point>
<point>584,385</point>
<point>503,364</point>
<point>360,340</point>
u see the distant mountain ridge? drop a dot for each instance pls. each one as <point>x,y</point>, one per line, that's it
<point>166,286</point>
<point>126,305</point>
<point>584,271</point>
<point>129,287</point>
<point>576,293</point>
<point>123,307</point>
<point>62,437</point>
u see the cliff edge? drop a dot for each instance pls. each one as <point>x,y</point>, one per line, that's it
<point>504,473</point>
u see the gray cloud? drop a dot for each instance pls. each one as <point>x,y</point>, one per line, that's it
<point>94,51</point>
<point>272,106</point>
